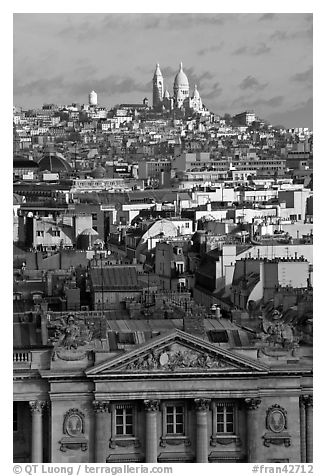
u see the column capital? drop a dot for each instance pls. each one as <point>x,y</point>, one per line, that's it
<point>202,404</point>
<point>307,400</point>
<point>101,406</point>
<point>151,405</point>
<point>37,406</point>
<point>252,403</point>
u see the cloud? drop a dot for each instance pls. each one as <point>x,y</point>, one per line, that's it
<point>248,103</point>
<point>260,49</point>
<point>283,35</point>
<point>267,16</point>
<point>301,115</point>
<point>109,85</point>
<point>275,101</point>
<point>186,20</point>
<point>215,92</point>
<point>40,86</point>
<point>304,77</point>
<point>252,83</point>
<point>148,21</point>
<point>240,51</point>
<point>85,69</point>
<point>210,49</point>
<point>81,32</point>
<point>93,28</point>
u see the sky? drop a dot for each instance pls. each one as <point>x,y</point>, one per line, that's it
<point>246,61</point>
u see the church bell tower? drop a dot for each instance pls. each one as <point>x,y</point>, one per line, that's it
<point>158,88</point>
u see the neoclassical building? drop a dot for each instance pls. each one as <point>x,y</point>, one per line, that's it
<point>91,389</point>
<point>181,98</point>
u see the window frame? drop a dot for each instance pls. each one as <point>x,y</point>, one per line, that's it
<point>175,438</point>
<point>124,439</point>
<point>127,411</point>
<point>174,422</point>
<point>225,436</point>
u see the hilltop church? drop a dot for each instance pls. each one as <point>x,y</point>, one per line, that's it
<point>181,99</point>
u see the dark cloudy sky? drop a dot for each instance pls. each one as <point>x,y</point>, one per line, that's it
<point>238,61</point>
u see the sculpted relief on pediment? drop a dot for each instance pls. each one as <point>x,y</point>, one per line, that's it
<point>176,357</point>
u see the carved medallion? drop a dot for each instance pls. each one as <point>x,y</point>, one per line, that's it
<point>276,419</point>
<point>73,423</point>
<point>276,424</point>
<point>73,428</point>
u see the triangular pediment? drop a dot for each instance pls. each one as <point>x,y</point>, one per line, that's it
<point>177,352</point>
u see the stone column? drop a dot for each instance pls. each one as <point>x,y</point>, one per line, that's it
<point>201,430</point>
<point>37,407</point>
<point>309,430</point>
<point>151,408</point>
<point>101,410</point>
<point>253,438</point>
<point>303,451</point>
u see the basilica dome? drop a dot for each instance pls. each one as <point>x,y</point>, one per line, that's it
<point>54,162</point>
<point>196,93</point>
<point>181,80</point>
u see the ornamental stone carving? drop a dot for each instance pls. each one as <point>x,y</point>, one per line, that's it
<point>276,419</point>
<point>101,406</point>
<point>277,338</point>
<point>252,403</point>
<point>151,405</point>
<point>202,404</point>
<point>73,423</point>
<point>276,424</point>
<point>73,429</point>
<point>176,357</point>
<point>307,400</point>
<point>37,406</point>
<point>74,335</point>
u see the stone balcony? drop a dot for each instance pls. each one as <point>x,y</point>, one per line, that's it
<point>31,359</point>
<point>22,360</point>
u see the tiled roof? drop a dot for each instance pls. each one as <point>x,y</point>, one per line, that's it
<point>114,277</point>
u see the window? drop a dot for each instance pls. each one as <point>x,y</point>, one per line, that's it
<point>187,224</point>
<point>179,267</point>
<point>124,421</point>
<point>94,216</point>
<point>225,421</point>
<point>123,424</point>
<point>39,233</point>
<point>175,420</point>
<point>174,423</point>
<point>225,418</point>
